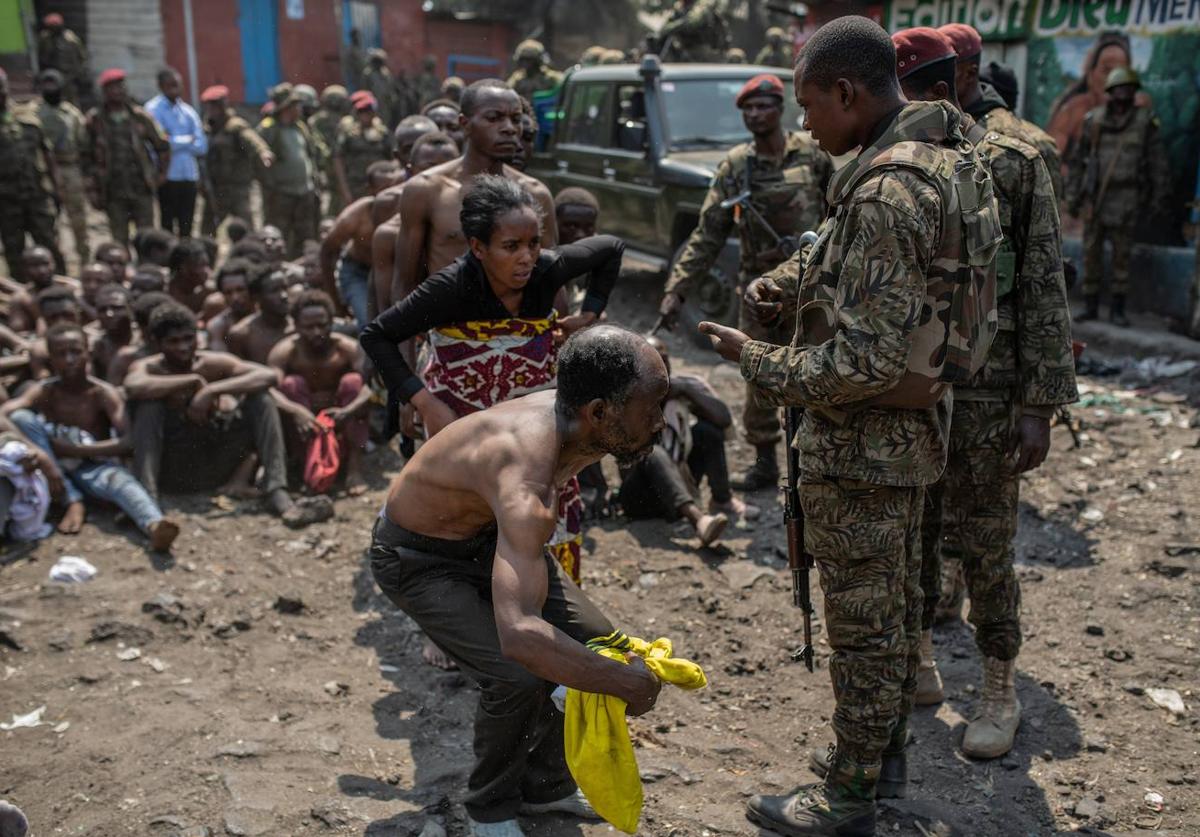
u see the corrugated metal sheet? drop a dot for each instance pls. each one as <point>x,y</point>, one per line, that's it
<point>127,34</point>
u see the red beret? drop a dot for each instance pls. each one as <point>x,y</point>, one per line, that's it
<point>364,102</point>
<point>267,108</point>
<point>358,94</point>
<point>53,19</point>
<point>920,47</point>
<point>966,40</point>
<point>767,83</point>
<point>215,93</point>
<point>110,75</point>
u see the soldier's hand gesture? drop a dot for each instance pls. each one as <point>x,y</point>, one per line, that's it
<point>764,299</point>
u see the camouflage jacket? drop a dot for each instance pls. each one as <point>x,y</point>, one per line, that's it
<point>789,194</point>
<point>382,85</point>
<point>1130,148</point>
<point>324,124</point>
<point>868,318</point>
<point>427,87</point>
<point>526,85</point>
<point>992,113</point>
<point>1031,359</point>
<point>318,152</point>
<point>358,147</point>
<point>24,155</point>
<point>65,53</point>
<point>65,130</point>
<point>233,153</point>
<point>151,151</point>
<point>699,33</point>
<point>781,57</point>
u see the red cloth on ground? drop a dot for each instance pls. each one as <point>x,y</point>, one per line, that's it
<point>354,431</point>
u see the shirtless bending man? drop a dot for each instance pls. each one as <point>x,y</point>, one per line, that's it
<point>460,547</point>
<point>431,236</point>
<point>320,371</point>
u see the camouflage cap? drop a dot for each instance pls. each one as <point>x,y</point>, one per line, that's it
<point>612,56</point>
<point>1121,76</point>
<point>592,55</point>
<point>333,94</point>
<point>735,55</point>
<point>307,94</point>
<point>776,32</point>
<point>377,54</point>
<point>281,92</point>
<point>529,48</point>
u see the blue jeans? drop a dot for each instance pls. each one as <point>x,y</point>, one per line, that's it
<point>354,286</point>
<point>96,479</point>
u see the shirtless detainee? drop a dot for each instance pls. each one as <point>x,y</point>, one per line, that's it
<point>460,547</point>
<point>431,236</point>
<point>253,337</point>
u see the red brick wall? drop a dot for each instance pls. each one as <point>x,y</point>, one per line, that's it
<point>308,48</point>
<point>218,44</point>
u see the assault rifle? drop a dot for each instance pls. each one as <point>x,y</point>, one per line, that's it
<point>799,560</point>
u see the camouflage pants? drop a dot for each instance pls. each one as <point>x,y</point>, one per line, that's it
<point>34,216</point>
<point>124,209</point>
<point>75,203</point>
<point>761,423</point>
<point>971,518</point>
<point>232,200</point>
<point>295,215</point>
<point>1094,235</point>
<point>866,542</point>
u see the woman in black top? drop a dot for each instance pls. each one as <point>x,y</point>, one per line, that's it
<point>505,276</point>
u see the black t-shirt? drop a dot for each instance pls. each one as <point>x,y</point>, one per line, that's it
<point>460,293</point>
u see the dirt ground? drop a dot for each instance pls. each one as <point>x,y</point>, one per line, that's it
<point>257,683</point>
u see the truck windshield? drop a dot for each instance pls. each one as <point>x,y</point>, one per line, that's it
<point>701,112</point>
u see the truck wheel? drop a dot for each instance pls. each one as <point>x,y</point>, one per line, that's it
<point>714,298</point>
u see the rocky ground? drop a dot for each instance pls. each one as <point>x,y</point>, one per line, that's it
<point>256,682</point>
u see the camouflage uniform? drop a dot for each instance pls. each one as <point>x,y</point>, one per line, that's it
<point>1029,370</point>
<point>427,86</point>
<point>378,79</point>
<point>324,124</point>
<point>993,114</point>
<point>358,147</point>
<point>117,161</point>
<point>696,33</point>
<point>527,83</point>
<point>66,133</point>
<point>777,52</point>
<point>232,162</point>
<point>292,204</point>
<point>1129,147</point>
<point>869,347</point>
<point>63,51</point>
<point>788,192</point>
<point>26,190</point>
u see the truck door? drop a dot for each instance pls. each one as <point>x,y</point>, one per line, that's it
<point>579,151</point>
<point>628,171</point>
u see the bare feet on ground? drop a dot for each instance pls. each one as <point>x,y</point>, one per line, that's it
<point>436,657</point>
<point>162,534</point>
<point>710,527</point>
<point>72,519</point>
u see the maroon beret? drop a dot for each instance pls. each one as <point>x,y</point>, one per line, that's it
<point>215,93</point>
<point>765,84</point>
<point>110,75</point>
<point>364,101</point>
<point>920,47</point>
<point>966,40</point>
<point>52,19</point>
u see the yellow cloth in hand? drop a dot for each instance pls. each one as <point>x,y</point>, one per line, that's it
<point>596,736</point>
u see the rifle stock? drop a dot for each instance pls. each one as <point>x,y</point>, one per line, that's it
<point>800,561</point>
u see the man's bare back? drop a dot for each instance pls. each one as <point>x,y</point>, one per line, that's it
<point>253,338</point>
<point>322,373</point>
<point>450,488</point>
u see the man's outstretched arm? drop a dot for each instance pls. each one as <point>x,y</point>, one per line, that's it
<point>519,587</point>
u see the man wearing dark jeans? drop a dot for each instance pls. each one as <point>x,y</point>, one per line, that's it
<point>185,133</point>
<point>666,483</point>
<point>199,413</point>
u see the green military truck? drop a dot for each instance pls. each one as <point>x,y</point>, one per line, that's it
<point>645,140</point>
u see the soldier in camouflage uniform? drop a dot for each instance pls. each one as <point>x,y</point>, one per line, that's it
<point>235,153</point>
<point>1117,172</point>
<point>291,200</point>
<point>1006,408</point>
<point>777,52</point>
<point>380,83</point>
<point>874,347</point>
<point>532,74</point>
<point>427,85</point>
<point>786,175</point>
<point>126,158</point>
<point>66,133</point>
<point>28,185</point>
<point>60,49</point>
<point>334,106</point>
<point>696,31</point>
<point>361,139</point>
<point>985,105</point>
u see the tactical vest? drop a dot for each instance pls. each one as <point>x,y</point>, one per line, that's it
<point>951,343</point>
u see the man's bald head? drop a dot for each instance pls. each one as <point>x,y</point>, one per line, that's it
<point>410,129</point>
<point>485,90</point>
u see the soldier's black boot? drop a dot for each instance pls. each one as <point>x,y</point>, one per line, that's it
<point>764,473</point>
<point>1090,310</point>
<point>842,806</point>
<point>893,772</point>
<point>1116,311</point>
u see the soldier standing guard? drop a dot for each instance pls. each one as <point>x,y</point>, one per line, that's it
<point>235,151</point>
<point>126,158</point>
<point>28,185</point>
<point>378,81</point>
<point>427,85</point>
<point>532,75</point>
<point>1118,171</point>
<point>362,139</point>
<point>60,49</point>
<point>290,198</point>
<point>771,189</point>
<point>334,105</point>
<point>66,134</point>
<point>777,52</point>
<point>911,238</point>
<point>695,31</point>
